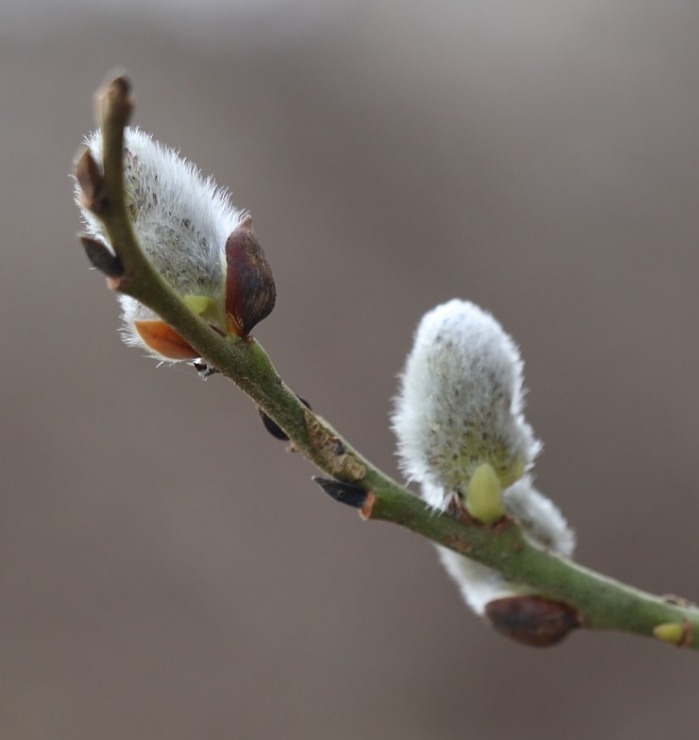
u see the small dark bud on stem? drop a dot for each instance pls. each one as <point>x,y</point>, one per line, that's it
<point>344,493</point>
<point>102,257</point>
<point>274,429</point>
<point>532,620</point>
<point>91,181</point>
<point>250,289</point>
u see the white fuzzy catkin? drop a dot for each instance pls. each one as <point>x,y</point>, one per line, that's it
<point>459,406</point>
<point>460,403</point>
<point>182,222</point>
<point>543,525</point>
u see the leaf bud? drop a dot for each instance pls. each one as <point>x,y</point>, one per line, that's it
<point>250,288</point>
<point>484,496</point>
<point>102,258</point>
<point>532,620</point>
<point>90,180</point>
<point>674,633</point>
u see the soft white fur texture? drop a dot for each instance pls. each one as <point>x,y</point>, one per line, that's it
<point>460,402</point>
<point>459,405</point>
<point>182,221</point>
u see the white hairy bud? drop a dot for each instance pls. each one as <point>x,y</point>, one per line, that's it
<point>183,222</point>
<point>460,404</point>
<point>543,525</point>
<point>462,435</point>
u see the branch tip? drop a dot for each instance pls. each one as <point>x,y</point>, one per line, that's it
<point>115,101</point>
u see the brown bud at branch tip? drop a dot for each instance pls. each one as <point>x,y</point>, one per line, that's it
<point>532,620</point>
<point>250,289</point>
<point>115,101</point>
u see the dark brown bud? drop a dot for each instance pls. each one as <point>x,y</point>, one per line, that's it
<point>91,182</point>
<point>273,428</point>
<point>532,620</point>
<point>102,257</point>
<point>344,493</point>
<point>250,289</point>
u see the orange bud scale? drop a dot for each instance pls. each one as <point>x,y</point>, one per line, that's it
<point>164,340</point>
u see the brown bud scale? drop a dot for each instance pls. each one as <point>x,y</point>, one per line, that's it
<point>344,493</point>
<point>532,620</point>
<point>102,257</point>
<point>91,182</point>
<point>250,289</point>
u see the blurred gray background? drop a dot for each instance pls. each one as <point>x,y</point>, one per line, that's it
<point>167,571</point>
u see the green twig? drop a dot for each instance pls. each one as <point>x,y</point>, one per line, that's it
<point>599,602</point>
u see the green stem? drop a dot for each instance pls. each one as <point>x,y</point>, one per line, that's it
<point>601,602</point>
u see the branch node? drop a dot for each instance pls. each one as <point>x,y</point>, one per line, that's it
<point>331,452</point>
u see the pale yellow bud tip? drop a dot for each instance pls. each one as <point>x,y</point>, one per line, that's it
<point>484,498</point>
<point>673,633</point>
<point>198,304</point>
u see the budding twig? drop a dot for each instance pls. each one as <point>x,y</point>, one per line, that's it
<point>580,596</point>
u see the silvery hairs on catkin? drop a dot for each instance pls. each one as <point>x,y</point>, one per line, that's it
<point>460,405</point>
<point>460,402</point>
<point>181,219</point>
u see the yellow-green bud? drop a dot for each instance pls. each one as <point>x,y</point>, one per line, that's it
<point>484,497</point>
<point>674,633</point>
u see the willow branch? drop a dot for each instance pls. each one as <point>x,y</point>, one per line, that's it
<point>601,603</point>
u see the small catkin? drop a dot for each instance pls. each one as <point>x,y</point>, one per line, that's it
<point>182,221</point>
<point>458,414</point>
<point>460,402</point>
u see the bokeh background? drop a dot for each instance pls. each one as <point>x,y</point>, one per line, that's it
<point>167,571</point>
